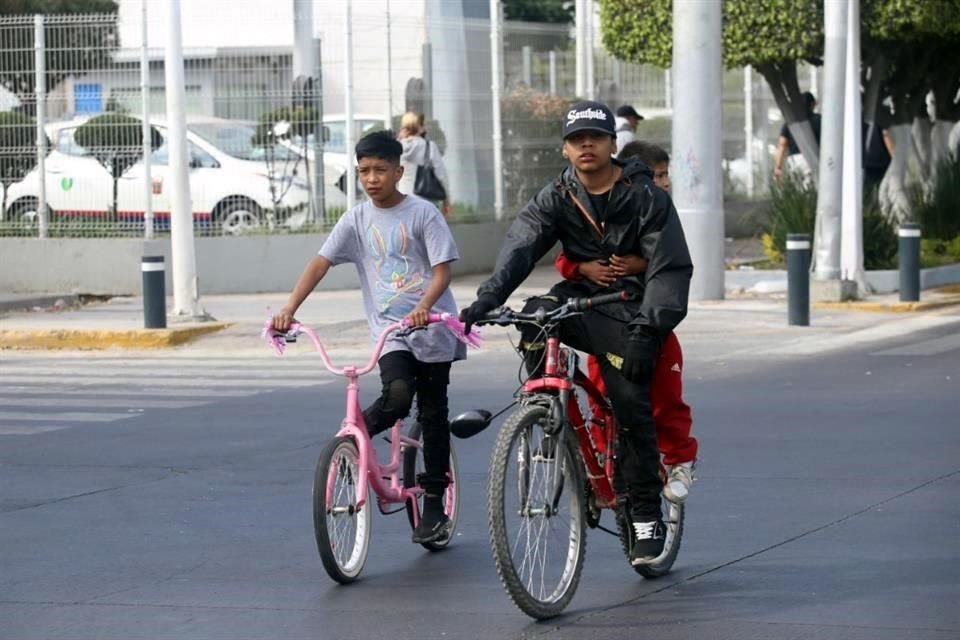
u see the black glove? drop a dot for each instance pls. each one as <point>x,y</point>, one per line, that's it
<point>483,305</point>
<point>640,356</point>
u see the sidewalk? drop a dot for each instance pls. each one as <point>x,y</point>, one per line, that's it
<point>339,316</point>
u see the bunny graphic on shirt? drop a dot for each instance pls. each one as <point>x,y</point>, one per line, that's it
<point>398,288</point>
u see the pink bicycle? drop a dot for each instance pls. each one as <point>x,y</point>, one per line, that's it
<point>342,517</point>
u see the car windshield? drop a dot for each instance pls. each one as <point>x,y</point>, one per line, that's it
<point>338,133</point>
<point>237,140</point>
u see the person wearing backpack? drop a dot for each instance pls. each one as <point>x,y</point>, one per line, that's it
<point>424,173</point>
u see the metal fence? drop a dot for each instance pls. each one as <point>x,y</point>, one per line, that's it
<point>81,80</point>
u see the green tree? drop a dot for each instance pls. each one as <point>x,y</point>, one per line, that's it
<point>771,36</point>
<point>70,48</point>
<point>116,141</point>
<point>18,150</point>
<point>555,11</point>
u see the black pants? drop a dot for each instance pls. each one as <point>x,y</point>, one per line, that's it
<point>603,336</point>
<point>403,376</point>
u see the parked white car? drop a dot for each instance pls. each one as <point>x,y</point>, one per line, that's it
<point>230,181</point>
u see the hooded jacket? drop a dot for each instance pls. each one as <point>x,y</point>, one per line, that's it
<point>640,219</point>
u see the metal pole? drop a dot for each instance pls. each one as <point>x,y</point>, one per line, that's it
<point>319,175</point>
<point>798,279</point>
<point>553,72</point>
<point>748,127</point>
<point>40,93</point>
<point>427,63</point>
<point>831,142</point>
<point>909,260</point>
<point>154,292</point>
<point>580,71</point>
<point>145,117</point>
<point>697,131</point>
<point>851,216</point>
<point>527,53</point>
<point>303,63</point>
<point>588,51</point>
<point>496,81</point>
<point>388,119</point>
<point>186,287</point>
<point>351,184</point>
<point>668,89</point>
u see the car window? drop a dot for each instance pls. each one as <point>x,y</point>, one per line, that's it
<point>200,158</point>
<point>237,140</point>
<point>66,144</point>
<point>337,130</point>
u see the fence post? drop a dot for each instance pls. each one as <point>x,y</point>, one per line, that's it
<point>351,183</point>
<point>748,126</point>
<point>553,72</point>
<point>909,259</point>
<point>496,83</point>
<point>154,292</point>
<point>147,138</point>
<point>798,279</point>
<point>40,94</point>
<point>527,52</point>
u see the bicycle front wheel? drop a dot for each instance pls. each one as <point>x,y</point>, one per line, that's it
<point>536,514</point>
<point>342,529</point>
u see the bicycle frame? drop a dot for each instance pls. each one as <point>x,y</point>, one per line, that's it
<point>384,479</point>
<point>560,379</point>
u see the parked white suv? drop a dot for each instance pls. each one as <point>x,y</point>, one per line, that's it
<point>230,180</point>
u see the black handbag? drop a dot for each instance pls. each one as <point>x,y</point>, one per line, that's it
<point>427,185</point>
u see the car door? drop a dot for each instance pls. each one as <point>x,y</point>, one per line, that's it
<point>76,183</point>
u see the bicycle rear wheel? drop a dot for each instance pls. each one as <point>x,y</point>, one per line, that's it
<point>673,519</point>
<point>341,528</point>
<point>412,466</point>
<point>536,514</point>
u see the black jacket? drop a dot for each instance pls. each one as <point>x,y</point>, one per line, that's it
<point>640,219</point>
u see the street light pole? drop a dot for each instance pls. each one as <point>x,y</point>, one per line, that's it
<point>697,131</point>
<point>351,182</point>
<point>496,82</point>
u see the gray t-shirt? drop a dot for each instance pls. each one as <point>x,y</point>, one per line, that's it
<point>395,251</point>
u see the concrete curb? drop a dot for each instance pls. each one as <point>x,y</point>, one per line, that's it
<point>105,338</point>
<point>896,307</point>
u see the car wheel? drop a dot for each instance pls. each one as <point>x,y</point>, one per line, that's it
<point>238,216</point>
<point>26,212</point>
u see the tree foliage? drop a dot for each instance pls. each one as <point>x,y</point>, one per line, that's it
<point>70,47</point>
<point>554,11</point>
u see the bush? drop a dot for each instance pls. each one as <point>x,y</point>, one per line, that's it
<point>116,141</point>
<point>937,253</point>
<point>303,122</point>
<point>793,209</point>
<point>532,131</point>
<point>939,212</point>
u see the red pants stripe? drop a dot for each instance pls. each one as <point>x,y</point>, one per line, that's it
<point>671,414</point>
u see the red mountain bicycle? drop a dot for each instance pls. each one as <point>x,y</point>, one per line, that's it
<point>552,474</point>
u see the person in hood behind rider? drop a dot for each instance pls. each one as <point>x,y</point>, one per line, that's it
<point>600,208</point>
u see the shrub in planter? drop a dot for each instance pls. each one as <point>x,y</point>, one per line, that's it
<point>532,130</point>
<point>793,209</point>
<point>116,141</point>
<point>938,212</point>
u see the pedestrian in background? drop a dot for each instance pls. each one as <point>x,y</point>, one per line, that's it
<point>626,122</point>
<point>419,151</point>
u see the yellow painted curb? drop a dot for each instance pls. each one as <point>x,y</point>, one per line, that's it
<point>105,338</point>
<point>895,307</point>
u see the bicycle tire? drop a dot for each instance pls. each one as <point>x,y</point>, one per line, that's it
<point>535,605</point>
<point>343,564</point>
<point>674,521</point>
<point>452,495</point>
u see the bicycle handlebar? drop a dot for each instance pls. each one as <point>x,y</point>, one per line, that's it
<point>506,316</point>
<point>278,340</point>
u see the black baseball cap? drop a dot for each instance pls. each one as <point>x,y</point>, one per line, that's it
<point>626,111</point>
<point>588,116</point>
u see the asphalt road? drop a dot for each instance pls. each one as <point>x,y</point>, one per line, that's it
<point>827,506</point>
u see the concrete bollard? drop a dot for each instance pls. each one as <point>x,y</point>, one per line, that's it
<point>154,292</point>
<point>798,279</point>
<point>909,259</point>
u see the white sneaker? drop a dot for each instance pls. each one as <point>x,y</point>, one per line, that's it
<point>679,479</point>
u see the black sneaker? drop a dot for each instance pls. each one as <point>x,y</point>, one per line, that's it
<point>648,539</point>
<point>434,524</point>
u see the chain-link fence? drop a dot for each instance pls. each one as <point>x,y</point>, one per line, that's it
<point>81,80</point>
